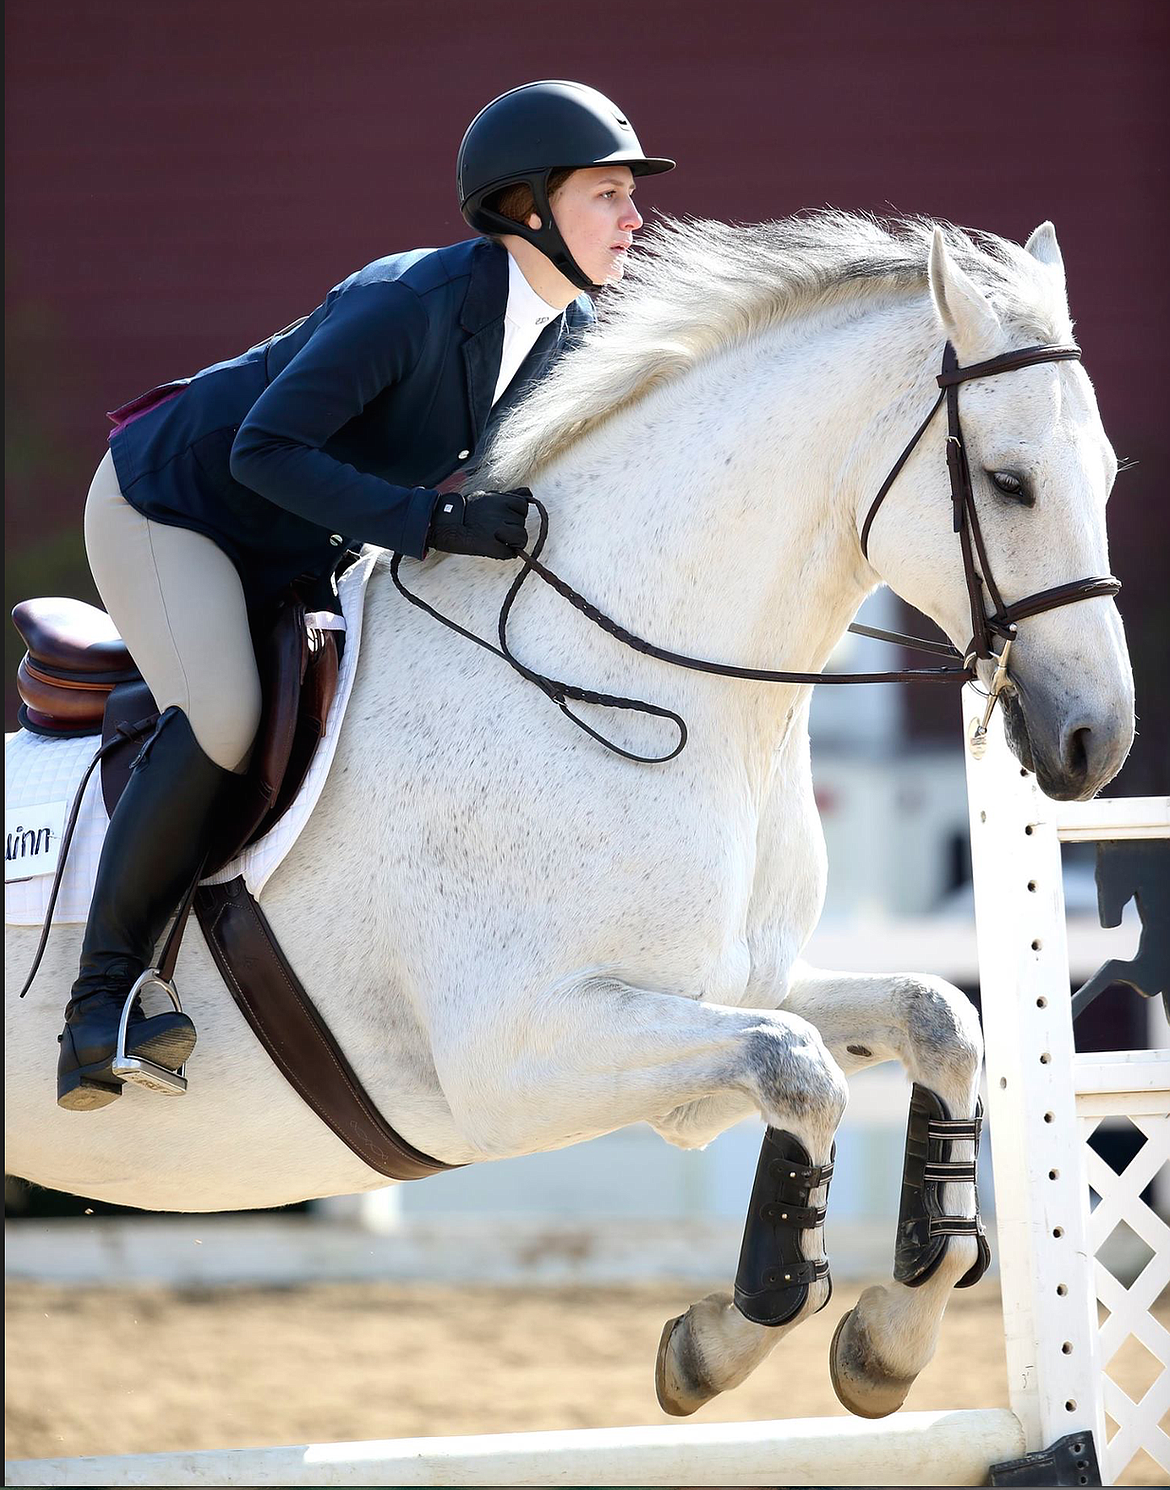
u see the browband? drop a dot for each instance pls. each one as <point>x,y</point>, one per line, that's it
<point>1006,362</point>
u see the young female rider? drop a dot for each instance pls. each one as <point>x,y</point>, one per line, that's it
<point>220,490</point>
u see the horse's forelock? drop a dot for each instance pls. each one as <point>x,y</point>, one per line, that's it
<point>697,286</point>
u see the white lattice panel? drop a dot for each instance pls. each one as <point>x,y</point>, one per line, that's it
<point>1138,1424</point>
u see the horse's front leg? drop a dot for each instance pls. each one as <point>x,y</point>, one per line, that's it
<point>783,1277</point>
<point>884,1342</point>
<point>584,1059</point>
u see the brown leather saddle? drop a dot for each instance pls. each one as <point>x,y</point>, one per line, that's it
<point>78,678</point>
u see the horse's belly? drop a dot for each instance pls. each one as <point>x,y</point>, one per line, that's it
<point>239,1138</point>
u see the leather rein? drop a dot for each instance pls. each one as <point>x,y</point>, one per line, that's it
<point>1000,623</point>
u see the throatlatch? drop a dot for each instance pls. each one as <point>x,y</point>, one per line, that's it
<point>773,1279</point>
<point>923,1225</point>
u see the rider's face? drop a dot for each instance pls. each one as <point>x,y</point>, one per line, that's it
<point>595,212</point>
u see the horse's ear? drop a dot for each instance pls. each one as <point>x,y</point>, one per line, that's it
<point>1042,245</point>
<point>970,323</point>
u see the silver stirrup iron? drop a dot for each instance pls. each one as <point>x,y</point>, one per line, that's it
<point>135,1067</point>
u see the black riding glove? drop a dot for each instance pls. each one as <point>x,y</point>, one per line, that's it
<point>488,524</point>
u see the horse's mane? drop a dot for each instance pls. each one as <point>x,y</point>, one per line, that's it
<point>695,286</point>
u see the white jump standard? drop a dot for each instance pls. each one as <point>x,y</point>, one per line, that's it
<point>1039,1095</point>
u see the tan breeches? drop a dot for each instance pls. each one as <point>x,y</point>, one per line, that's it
<point>178,603</point>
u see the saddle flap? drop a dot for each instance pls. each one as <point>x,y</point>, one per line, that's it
<point>298,672</point>
<point>317,691</point>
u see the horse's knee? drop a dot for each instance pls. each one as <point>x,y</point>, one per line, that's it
<point>943,1031</point>
<point>795,1077</point>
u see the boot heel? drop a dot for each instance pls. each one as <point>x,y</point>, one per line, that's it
<point>81,1092</point>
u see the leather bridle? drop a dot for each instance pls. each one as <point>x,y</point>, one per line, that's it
<point>1000,623</point>
<point>965,521</point>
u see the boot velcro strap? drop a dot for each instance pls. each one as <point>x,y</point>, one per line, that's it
<point>931,1134</point>
<point>954,1226</point>
<point>797,1272</point>
<point>950,1171</point>
<point>952,1130</point>
<point>809,1175</point>
<point>794,1215</point>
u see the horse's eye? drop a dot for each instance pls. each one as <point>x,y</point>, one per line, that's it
<point>1010,485</point>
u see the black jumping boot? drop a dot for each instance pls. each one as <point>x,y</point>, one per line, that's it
<point>156,844</point>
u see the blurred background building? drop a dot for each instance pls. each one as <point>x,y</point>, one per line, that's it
<point>184,178</point>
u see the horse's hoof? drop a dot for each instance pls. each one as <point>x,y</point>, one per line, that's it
<point>678,1382</point>
<point>861,1383</point>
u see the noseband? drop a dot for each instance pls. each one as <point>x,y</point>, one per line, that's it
<point>1001,622</point>
<point>965,520</point>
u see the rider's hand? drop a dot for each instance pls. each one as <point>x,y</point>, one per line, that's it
<point>489,524</point>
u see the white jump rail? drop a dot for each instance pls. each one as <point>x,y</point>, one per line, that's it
<point>1043,1101</point>
<point>912,1448</point>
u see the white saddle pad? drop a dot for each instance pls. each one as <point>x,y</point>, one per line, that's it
<point>40,772</point>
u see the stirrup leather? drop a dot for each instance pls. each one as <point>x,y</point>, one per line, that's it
<point>923,1225</point>
<point>137,1068</point>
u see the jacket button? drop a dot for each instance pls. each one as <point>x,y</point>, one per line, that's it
<point>463,454</point>
<point>336,540</point>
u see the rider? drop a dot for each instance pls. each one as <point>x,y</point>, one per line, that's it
<point>220,490</point>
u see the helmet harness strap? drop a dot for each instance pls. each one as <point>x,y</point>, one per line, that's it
<point>547,238</point>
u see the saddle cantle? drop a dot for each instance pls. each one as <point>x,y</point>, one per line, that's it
<point>75,659</point>
<point>78,678</point>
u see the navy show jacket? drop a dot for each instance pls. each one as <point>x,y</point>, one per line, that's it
<point>337,430</point>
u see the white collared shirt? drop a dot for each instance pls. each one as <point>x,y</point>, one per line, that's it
<point>525,318</point>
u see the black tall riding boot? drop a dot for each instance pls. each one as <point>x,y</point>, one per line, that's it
<point>157,842</point>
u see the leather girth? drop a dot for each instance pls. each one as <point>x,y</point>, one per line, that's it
<point>287,1024</point>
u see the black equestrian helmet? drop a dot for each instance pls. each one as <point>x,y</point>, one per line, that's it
<point>525,135</point>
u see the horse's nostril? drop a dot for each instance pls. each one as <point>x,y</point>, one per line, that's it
<point>1077,751</point>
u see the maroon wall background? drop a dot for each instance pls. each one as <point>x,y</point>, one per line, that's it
<point>185,177</point>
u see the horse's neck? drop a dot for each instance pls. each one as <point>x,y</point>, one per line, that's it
<point>718,517</point>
